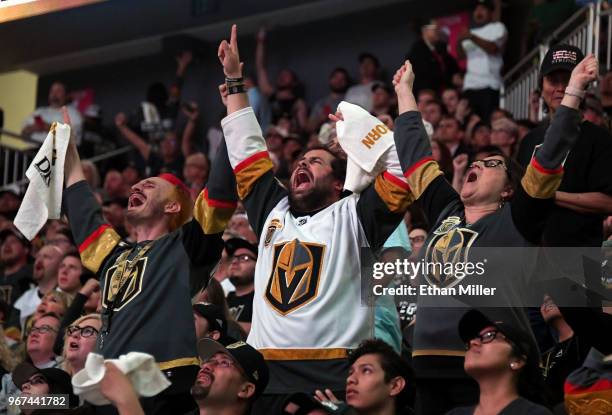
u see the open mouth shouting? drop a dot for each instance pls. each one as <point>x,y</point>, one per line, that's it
<point>302,179</point>
<point>136,199</point>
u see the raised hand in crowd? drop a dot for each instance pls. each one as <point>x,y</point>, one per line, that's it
<point>182,62</point>
<point>403,81</point>
<point>459,166</point>
<point>583,74</point>
<point>120,120</point>
<point>191,111</point>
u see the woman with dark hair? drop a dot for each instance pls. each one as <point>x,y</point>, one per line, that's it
<point>505,363</point>
<point>493,210</point>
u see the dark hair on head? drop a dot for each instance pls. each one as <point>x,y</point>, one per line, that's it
<point>506,113</point>
<point>530,384</point>
<point>393,366</point>
<point>524,122</point>
<point>53,315</point>
<point>514,171</point>
<point>338,164</point>
<point>342,70</point>
<point>72,253</point>
<point>427,91</point>
<point>367,55</point>
<point>216,296</point>
<point>446,116</point>
<point>157,94</point>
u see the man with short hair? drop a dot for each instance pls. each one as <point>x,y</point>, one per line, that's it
<point>44,275</point>
<point>483,47</point>
<point>230,379</point>
<point>307,310</point>
<point>196,172</point>
<point>242,260</point>
<point>450,133</point>
<point>209,322</point>
<point>339,82</point>
<point>37,125</point>
<point>433,113</point>
<point>504,134</point>
<point>148,285</point>
<point>16,270</point>
<point>361,94</point>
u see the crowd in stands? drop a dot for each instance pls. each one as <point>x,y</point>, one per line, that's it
<point>233,258</point>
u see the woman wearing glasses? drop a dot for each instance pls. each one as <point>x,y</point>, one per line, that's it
<point>79,340</point>
<point>505,364</point>
<point>496,215</point>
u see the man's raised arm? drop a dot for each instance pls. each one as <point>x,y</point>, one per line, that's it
<point>246,148</point>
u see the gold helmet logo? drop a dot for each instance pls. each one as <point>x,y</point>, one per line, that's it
<point>295,275</point>
<point>447,248</point>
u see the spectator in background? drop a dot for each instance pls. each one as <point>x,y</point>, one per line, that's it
<point>172,150</point>
<point>504,360</point>
<point>92,175</point>
<point>605,89</point>
<point>37,125</point>
<point>433,113</point>
<point>383,102</point>
<point>524,127</point>
<point>243,258</point>
<point>113,211</point>
<point>481,136</point>
<point>504,134</point>
<point>16,272</point>
<point>379,381</point>
<point>259,103</point>
<point>499,113</point>
<point>424,97</point>
<point>210,322</point>
<point>417,236</point>
<point>450,99</point>
<point>593,111</point>
<point>440,153</point>
<point>114,186</point>
<point>131,175</point>
<point>10,199</point>
<point>285,96</point>
<point>36,382</point>
<point>196,172</point>
<point>339,81</point>
<point>45,276</point>
<point>80,340</point>
<point>450,133</point>
<point>433,66</point>
<point>361,94</point>
<point>585,194</point>
<point>483,46</point>
<point>69,273</point>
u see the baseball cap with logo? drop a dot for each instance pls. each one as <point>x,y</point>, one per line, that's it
<point>246,357</point>
<point>214,315</point>
<point>560,57</point>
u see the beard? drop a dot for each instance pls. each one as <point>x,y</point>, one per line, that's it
<point>309,202</point>
<point>240,281</point>
<point>200,392</point>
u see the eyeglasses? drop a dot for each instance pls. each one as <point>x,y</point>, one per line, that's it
<point>242,258</point>
<point>489,163</point>
<point>486,337</point>
<point>43,329</point>
<point>222,363</point>
<point>86,331</point>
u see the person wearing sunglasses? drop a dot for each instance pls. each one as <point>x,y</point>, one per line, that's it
<point>79,340</point>
<point>504,361</point>
<point>499,208</point>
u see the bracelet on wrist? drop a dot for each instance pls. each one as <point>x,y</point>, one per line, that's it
<point>229,80</point>
<point>236,89</point>
<point>575,92</point>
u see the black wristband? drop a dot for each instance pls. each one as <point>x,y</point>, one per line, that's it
<point>236,89</point>
<point>234,80</point>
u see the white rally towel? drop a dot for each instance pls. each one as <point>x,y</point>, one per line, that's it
<point>43,199</point>
<point>141,368</point>
<point>365,139</point>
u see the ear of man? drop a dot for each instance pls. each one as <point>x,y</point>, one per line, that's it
<point>247,390</point>
<point>397,385</point>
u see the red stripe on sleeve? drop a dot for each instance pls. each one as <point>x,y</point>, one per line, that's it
<point>396,180</point>
<point>417,165</point>
<point>544,170</point>
<point>250,160</point>
<point>94,235</point>
<point>219,203</point>
<point>600,385</point>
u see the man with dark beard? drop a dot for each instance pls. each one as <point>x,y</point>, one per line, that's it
<point>242,259</point>
<point>230,378</point>
<point>307,309</point>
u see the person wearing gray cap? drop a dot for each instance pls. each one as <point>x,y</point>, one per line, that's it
<point>230,378</point>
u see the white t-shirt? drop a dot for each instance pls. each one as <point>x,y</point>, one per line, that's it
<point>50,115</point>
<point>360,95</point>
<point>483,69</point>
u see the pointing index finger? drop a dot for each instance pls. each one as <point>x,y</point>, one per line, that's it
<point>234,38</point>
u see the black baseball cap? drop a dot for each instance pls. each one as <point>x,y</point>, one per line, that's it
<point>13,231</point>
<point>248,359</point>
<point>472,323</point>
<point>214,315</point>
<point>562,57</point>
<point>233,244</point>
<point>58,380</point>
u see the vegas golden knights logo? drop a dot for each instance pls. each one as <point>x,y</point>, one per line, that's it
<point>133,284</point>
<point>295,275</point>
<point>449,246</point>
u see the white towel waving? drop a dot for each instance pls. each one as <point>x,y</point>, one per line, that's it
<point>365,139</point>
<point>141,368</point>
<point>43,199</point>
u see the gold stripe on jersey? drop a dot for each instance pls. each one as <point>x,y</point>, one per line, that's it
<point>185,361</point>
<point>438,352</point>
<point>212,215</point>
<point>539,182</point>
<point>394,192</point>
<point>250,170</point>
<point>421,174</point>
<point>98,246</point>
<point>304,354</point>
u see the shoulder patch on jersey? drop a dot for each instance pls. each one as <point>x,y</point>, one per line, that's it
<point>296,271</point>
<point>274,226</point>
